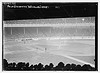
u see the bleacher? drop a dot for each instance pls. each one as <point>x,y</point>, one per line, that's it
<point>45,32</point>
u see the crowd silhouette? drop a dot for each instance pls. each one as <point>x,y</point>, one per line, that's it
<point>22,66</point>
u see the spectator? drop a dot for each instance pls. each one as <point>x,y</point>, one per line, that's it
<point>39,66</point>
<point>51,66</point>
<point>78,67</point>
<point>31,67</point>
<point>67,67</point>
<point>47,67</point>
<point>60,66</point>
<point>35,67</point>
<point>73,66</point>
<point>5,64</point>
<point>25,66</point>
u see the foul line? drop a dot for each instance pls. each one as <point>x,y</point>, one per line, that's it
<point>77,60</point>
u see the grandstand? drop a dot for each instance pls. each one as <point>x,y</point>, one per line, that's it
<point>48,28</point>
<point>49,32</point>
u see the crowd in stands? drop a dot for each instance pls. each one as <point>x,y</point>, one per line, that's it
<point>22,66</point>
<point>33,32</point>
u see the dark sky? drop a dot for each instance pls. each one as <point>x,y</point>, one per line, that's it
<point>14,11</point>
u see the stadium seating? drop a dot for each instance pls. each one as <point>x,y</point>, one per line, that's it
<point>22,66</point>
<point>44,32</point>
